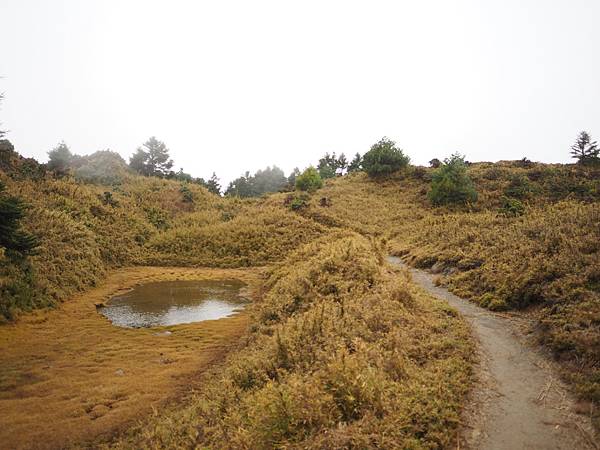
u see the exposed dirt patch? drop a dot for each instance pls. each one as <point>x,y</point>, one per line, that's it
<point>68,375</point>
<point>519,402</point>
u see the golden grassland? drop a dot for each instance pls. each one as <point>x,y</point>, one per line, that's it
<point>546,261</point>
<point>343,352</point>
<point>86,229</point>
<point>68,376</point>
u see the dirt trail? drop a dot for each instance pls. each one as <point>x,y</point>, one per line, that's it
<point>519,402</point>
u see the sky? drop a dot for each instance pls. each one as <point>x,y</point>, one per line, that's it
<point>232,86</point>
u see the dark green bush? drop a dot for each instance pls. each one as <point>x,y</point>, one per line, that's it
<point>519,187</point>
<point>511,207</point>
<point>384,158</point>
<point>451,184</point>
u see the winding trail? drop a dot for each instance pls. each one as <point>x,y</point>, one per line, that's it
<point>519,401</point>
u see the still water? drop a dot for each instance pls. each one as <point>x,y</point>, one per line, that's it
<point>172,302</point>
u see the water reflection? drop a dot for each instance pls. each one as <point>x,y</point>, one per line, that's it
<point>173,302</point>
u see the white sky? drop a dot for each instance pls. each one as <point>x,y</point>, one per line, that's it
<point>237,85</point>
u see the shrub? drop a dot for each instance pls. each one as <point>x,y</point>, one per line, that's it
<point>511,207</point>
<point>384,158</point>
<point>187,195</point>
<point>299,202</point>
<point>309,180</point>
<point>519,187</point>
<point>12,238</point>
<point>59,159</point>
<point>451,184</point>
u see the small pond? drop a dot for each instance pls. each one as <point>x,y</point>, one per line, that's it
<point>172,302</point>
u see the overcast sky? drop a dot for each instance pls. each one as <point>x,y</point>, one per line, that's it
<point>231,86</point>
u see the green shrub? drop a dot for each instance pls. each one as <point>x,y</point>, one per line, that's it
<point>12,237</point>
<point>298,202</point>
<point>512,207</point>
<point>519,187</point>
<point>310,180</point>
<point>188,196</point>
<point>384,158</point>
<point>451,184</point>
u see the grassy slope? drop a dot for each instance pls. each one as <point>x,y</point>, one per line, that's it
<point>147,221</point>
<point>342,354</point>
<point>548,259</point>
<point>386,365</point>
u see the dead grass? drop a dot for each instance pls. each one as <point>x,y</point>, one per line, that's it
<point>67,375</point>
<point>343,353</point>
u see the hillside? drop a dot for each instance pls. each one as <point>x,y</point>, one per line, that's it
<point>543,261</point>
<point>388,364</point>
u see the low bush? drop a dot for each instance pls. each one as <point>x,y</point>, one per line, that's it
<point>309,180</point>
<point>384,158</point>
<point>451,184</point>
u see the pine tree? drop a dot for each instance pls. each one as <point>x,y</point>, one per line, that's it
<point>356,163</point>
<point>12,238</point>
<point>139,162</point>
<point>213,184</point>
<point>584,150</point>
<point>152,159</point>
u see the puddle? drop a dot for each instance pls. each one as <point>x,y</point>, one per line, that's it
<point>171,302</point>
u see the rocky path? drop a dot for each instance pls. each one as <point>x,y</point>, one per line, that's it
<point>519,402</point>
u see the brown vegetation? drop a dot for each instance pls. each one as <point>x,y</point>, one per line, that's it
<point>344,353</point>
<point>69,376</point>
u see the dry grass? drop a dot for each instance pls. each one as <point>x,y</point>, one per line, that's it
<point>68,376</point>
<point>548,259</point>
<point>344,353</point>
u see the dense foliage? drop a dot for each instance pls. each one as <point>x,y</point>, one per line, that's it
<point>310,180</point>
<point>152,159</point>
<point>384,158</point>
<point>451,184</point>
<point>271,179</point>
<point>331,165</point>
<point>13,240</point>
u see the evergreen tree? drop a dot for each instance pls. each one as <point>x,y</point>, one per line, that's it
<point>12,238</point>
<point>356,163</point>
<point>152,159</point>
<point>241,187</point>
<point>384,158</point>
<point>292,178</point>
<point>59,159</point>
<point>213,184</point>
<point>327,166</point>
<point>342,163</point>
<point>584,150</point>
<point>138,162</point>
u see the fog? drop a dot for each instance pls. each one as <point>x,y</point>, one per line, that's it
<point>232,86</point>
